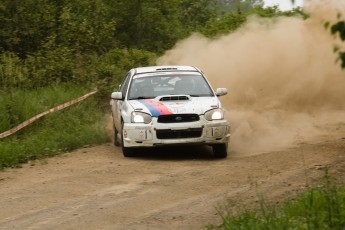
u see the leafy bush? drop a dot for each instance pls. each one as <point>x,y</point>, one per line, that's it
<point>115,64</point>
<point>13,73</point>
<point>339,27</point>
<point>230,21</point>
<point>62,65</point>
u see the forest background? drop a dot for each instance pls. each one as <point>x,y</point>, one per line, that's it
<point>54,51</point>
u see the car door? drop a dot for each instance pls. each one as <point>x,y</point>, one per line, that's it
<point>118,104</point>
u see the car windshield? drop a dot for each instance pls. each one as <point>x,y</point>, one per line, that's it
<point>146,86</point>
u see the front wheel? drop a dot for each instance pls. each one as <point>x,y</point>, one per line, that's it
<point>220,150</point>
<point>127,152</point>
<point>117,141</point>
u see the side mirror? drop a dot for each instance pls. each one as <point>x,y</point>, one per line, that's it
<point>117,95</point>
<point>221,92</point>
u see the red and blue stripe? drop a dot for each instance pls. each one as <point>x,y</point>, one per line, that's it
<point>156,108</point>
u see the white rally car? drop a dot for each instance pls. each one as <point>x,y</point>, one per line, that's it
<point>168,105</point>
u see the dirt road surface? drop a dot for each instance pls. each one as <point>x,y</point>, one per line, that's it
<point>176,188</point>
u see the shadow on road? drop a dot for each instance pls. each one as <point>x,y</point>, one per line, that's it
<point>194,152</point>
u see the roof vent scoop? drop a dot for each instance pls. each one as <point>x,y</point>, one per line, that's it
<point>166,68</point>
<point>175,98</point>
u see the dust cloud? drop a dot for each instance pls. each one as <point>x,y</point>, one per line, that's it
<point>283,80</point>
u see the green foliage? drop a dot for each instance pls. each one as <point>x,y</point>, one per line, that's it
<point>50,66</point>
<point>196,14</point>
<point>71,128</point>
<point>25,25</point>
<point>228,23</point>
<point>339,27</point>
<point>97,26</point>
<point>318,208</point>
<point>231,20</point>
<point>273,12</point>
<point>84,26</point>
<point>237,6</point>
<point>157,25</point>
<point>61,65</point>
<point>45,43</point>
<point>13,73</point>
<point>112,67</point>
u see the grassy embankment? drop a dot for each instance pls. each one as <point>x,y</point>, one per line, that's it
<point>318,208</point>
<point>65,130</point>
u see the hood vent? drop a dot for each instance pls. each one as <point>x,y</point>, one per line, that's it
<point>166,68</point>
<point>174,98</point>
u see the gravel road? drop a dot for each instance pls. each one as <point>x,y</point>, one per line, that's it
<point>175,188</point>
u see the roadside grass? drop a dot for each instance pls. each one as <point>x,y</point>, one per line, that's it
<point>317,208</point>
<point>65,130</point>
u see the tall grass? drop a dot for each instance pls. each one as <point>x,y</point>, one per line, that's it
<point>73,127</point>
<point>318,208</point>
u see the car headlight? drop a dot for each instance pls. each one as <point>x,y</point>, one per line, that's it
<point>214,114</point>
<point>139,117</point>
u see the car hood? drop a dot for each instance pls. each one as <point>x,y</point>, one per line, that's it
<point>156,107</point>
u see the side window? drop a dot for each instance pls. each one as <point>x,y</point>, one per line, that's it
<point>124,85</point>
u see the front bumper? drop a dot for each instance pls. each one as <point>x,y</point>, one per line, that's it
<point>156,134</point>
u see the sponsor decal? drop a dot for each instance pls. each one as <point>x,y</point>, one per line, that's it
<point>156,108</point>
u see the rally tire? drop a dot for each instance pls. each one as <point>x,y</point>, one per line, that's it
<point>117,141</point>
<point>127,152</point>
<point>220,150</point>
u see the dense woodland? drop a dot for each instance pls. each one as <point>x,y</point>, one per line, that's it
<point>94,42</point>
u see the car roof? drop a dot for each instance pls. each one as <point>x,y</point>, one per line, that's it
<point>155,69</point>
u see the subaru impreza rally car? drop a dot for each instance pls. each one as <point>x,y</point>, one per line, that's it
<point>168,105</point>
